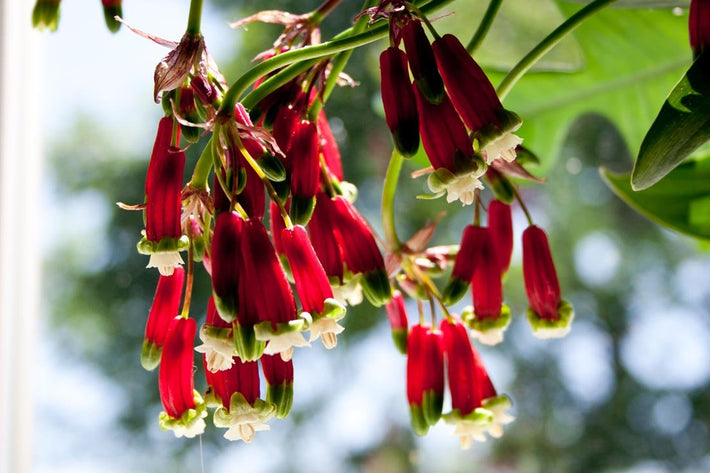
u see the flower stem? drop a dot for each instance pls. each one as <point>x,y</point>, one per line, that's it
<point>388,192</point>
<point>190,278</point>
<point>322,11</point>
<point>194,17</point>
<point>202,168</point>
<point>548,43</point>
<point>484,26</point>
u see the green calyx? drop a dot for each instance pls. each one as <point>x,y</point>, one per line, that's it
<point>399,336</point>
<point>110,12</point>
<point>238,407</point>
<point>188,423</point>
<point>508,122</point>
<point>165,245</point>
<point>301,209</point>
<point>432,404</point>
<point>272,167</point>
<point>246,345</point>
<point>376,287</point>
<point>487,324</point>
<point>45,15</point>
<point>227,307</point>
<point>552,328</point>
<point>281,396</point>
<point>479,416</point>
<point>455,289</point>
<point>416,417</point>
<point>150,355</point>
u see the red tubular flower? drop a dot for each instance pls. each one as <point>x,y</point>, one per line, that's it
<point>476,407</point>
<point>217,341</point>
<point>226,263</point>
<point>422,62</point>
<point>163,236</point>
<point>312,284</point>
<point>279,383</point>
<point>466,261</point>
<point>285,125</point>
<point>265,283</point>
<point>425,377</point>
<point>324,244</point>
<point>329,147</point>
<point>398,101</point>
<point>476,100</point>
<point>500,221</point>
<point>166,304</point>
<point>490,316</point>
<point>112,8</point>
<point>397,315</point>
<point>360,250</point>
<point>184,408</point>
<point>303,156</point>
<point>549,315</point>
<point>236,392</point>
<point>699,25</point>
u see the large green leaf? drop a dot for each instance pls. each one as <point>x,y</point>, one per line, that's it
<point>682,125</point>
<point>681,201</point>
<point>632,58</point>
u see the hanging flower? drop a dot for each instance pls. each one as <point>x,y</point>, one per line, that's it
<point>489,317</point>
<point>476,407</point>
<point>425,377</point>
<point>184,408</point>
<point>549,315</point>
<point>279,383</point>
<point>303,156</point>
<point>325,246</point>
<point>265,283</point>
<point>360,251</point>
<point>226,264</point>
<point>163,238</point>
<point>236,393</point>
<point>457,169</point>
<point>476,100</point>
<point>313,288</point>
<point>422,62</point>
<point>398,101</point>
<point>217,341</point>
<point>329,147</point>
<point>397,315</point>
<point>699,25</point>
<point>112,9</point>
<point>464,264</point>
<point>166,304</point>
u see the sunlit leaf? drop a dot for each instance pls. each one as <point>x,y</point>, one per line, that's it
<point>682,125</point>
<point>681,201</point>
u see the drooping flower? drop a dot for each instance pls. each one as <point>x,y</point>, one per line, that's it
<point>279,383</point>
<point>312,285</point>
<point>112,8</point>
<point>236,392</point>
<point>476,407</point>
<point>422,62</point>
<point>398,101</point>
<point>456,168</point>
<point>303,155</point>
<point>45,14</point>
<point>500,222</point>
<point>464,264</point>
<point>699,25</point>
<point>184,408</point>
<point>265,283</point>
<point>549,315</point>
<point>476,100</point>
<point>490,317</point>
<point>325,246</point>
<point>226,264</point>
<point>425,377</point>
<point>360,251</point>
<point>188,113</point>
<point>163,238</point>
<point>166,304</point>
<point>397,315</point>
<point>217,341</point>
<point>329,147</point>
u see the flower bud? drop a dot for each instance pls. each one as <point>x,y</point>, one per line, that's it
<point>303,156</point>
<point>422,62</point>
<point>397,315</point>
<point>425,377</point>
<point>226,264</point>
<point>398,101</point>
<point>112,9</point>
<point>329,147</point>
<point>279,383</point>
<point>699,25</point>
<point>500,221</point>
<point>165,307</point>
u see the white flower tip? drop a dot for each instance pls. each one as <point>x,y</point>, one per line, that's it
<point>490,337</point>
<point>546,333</point>
<point>166,262</point>
<point>197,427</point>
<point>463,188</point>
<point>502,147</point>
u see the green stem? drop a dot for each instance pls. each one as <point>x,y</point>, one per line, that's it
<point>484,26</point>
<point>548,43</point>
<point>274,82</point>
<point>388,191</point>
<point>341,42</point>
<point>195,17</point>
<point>322,11</point>
<point>338,65</point>
<point>202,168</point>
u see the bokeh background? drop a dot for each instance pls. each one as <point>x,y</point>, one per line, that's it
<point>626,390</point>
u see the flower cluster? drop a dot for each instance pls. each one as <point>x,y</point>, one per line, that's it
<point>450,104</point>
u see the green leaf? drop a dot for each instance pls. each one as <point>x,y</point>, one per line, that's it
<point>632,58</point>
<point>680,202</point>
<point>644,3</point>
<point>682,125</point>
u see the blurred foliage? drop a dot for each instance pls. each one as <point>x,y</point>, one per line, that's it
<point>98,306</point>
